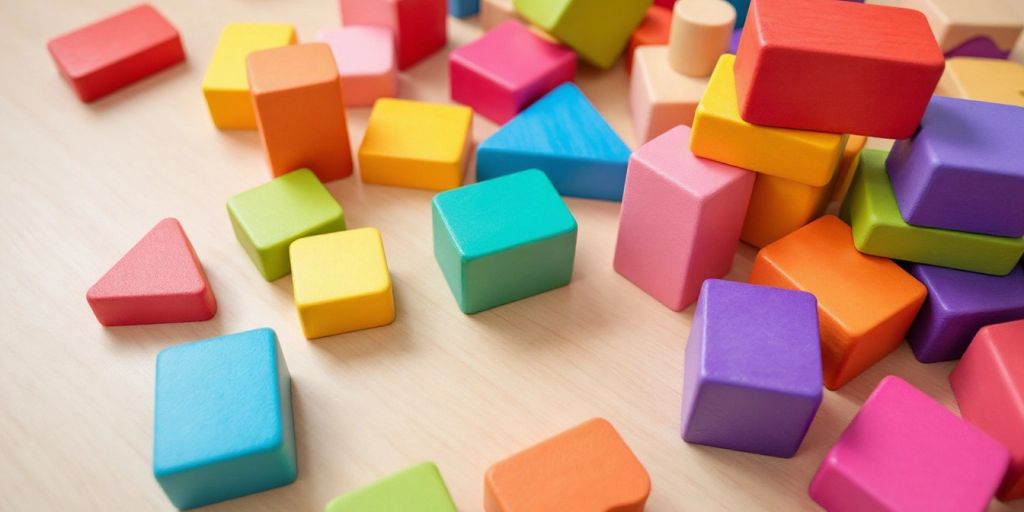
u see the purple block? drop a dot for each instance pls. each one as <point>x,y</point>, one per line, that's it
<point>964,169</point>
<point>982,46</point>
<point>958,304</point>
<point>752,377</point>
<point>734,41</point>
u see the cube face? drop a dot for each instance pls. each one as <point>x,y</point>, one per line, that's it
<point>419,25</point>
<point>365,57</point>
<point>985,28</point>
<point>991,80</point>
<point>598,29</point>
<point>660,98</point>
<point>779,206</point>
<point>223,425</point>
<point>419,487</point>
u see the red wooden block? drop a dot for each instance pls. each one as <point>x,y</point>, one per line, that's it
<point>111,53</point>
<point>160,280</point>
<point>838,67</point>
<point>419,25</point>
<point>653,30</point>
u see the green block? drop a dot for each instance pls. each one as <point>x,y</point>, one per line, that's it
<point>503,239</point>
<point>268,218</point>
<point>879,229</point>
<point>417,489</point>
<point>597,30</point>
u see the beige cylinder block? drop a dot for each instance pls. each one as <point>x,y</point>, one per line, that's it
<point>699,35</point>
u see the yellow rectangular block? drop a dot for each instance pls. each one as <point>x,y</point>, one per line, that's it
<point>226,83</point>
<point>341,282</point>
<point>991,80</point>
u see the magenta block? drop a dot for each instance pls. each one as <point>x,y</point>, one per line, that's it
<point>906,452</point>
<point>365,56</point>
<point>752,378</point>
<point>681,219</point>
<point>508,69</point>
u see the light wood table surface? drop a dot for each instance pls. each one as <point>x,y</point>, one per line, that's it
<point>82,183</point>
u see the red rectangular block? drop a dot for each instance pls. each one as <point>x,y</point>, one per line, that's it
<point>419,25</point>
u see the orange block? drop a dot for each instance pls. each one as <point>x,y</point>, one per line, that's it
<point>779,206</point>
<point>587,468</point>
<point>296,94</point>
<point>865,303</point>
<point>847,166</point>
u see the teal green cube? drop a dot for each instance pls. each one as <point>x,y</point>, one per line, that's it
<point>503,239</point>
<point>419,488</point>
<point>268,218</point>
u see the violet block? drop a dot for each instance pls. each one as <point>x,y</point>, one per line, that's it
<point>958,304</point>
<point>753,379</point>
<point>964,169</point>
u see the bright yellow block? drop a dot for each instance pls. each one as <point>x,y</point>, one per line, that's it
<point>991,80</point>
<point>719,133</point>
<point>226,84</point>
<point>848,166</point>
<point>415,144</point>
<point>779,207</point>
<point>341,282</point>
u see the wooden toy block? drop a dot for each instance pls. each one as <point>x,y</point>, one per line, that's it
<point>779,207</point>
<point>905,451</point>
<point>836,67</point>
<point>503,240</point>
<point>991,80</point>
<point>159,280</point>
<point>420,26</point>
<point>226,82</point>
<point>496,12</point>
<point>116,51</point>
<point>980,28</point>
<point>598,30</point>
<point>366,63</point>
<point>680,221</point>
<point>878,229</point>
<point>268,218</point>
<point>341,282</point>
<point>989,387</point>
<point>734,41</point>
<point>499,83</point>
<point>463,8</point>
<point>700,33</point>
<point>588,468</point>
<point>653,30</point>
<point>719,133</point>
<point>419,488</point>
<point>223,424</point>
<point>848,166</point>
<point>659,97</point>
<point>588,160</point>
<point>963,169</point>
<point>865,303</point>
<point>416,144</point>
<point>959,303</point>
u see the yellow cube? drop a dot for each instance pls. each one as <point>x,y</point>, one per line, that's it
<point>226,83</point>
<point>416,144</point>
<point>341,282</point>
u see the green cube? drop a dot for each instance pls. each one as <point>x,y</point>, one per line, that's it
<point>878,228</point>
<point>268,218</point>
<point>416,489</point>
<point>503,239</point>
<point>597,30</point>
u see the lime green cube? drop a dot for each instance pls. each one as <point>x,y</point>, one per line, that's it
<point>416,489</point>
<point>597,30</point>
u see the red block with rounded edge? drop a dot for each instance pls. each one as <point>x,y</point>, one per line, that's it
<point>653,30</point>
<point>113,52</point>
<point>160,280</point>
<point>419,25</point>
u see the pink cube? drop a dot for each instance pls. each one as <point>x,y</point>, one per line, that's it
<point>681,219</point>
<point>508,69</point>
<point>365,57</point>
<point>904,451</point>
<point>419,26</point>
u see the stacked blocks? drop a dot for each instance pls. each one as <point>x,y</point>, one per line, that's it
<point>226,82</point>
<point>989,387</point>
<point>416,144</point>
<point>341,282</point>
<point>752,378</point>
<point>588,161</point>
<point>994,81</point>
<point>463,8</point>
<point>796,57</point>
<point>365,57</point>
<point>848,166</point>
<point>268,218</point>
<point>419,488</point>
<point>419,26</point>
<point>223,424</point>
<point>116,51</point>
<point>496,12</point>
<point>681,219</point>
<point>587,468</point>
<point>159,280</point>
<point>865,303</point>
<point>905,451</point>
<point>502,240</point>
<point>499,84</point>
<point>597,30</point>
<point>959,303</point>
<point>653,30</point>
<point>980,28</point>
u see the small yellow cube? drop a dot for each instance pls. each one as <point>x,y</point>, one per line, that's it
<point>341,282</point>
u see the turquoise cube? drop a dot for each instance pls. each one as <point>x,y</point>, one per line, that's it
<point>223,425</point>
<point>504,239</point>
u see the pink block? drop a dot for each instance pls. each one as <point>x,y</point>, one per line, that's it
<point>366,63</point>
<point>906,452</point>
<point>681,219</point>
<point>419,26</point>
<point>508,69</point>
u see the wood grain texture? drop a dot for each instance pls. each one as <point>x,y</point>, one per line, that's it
<point>84,182</point>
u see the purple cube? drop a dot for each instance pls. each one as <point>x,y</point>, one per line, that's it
<point>958,304</point>
<point>752,377</point>
<point>964,169</point>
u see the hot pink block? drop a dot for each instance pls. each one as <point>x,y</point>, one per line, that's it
<point>905,452</point>
<point>681,219</point>
<point>508,69</point>
<point>366,63</point>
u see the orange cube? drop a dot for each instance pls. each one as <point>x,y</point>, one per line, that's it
<point>865,303</point>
